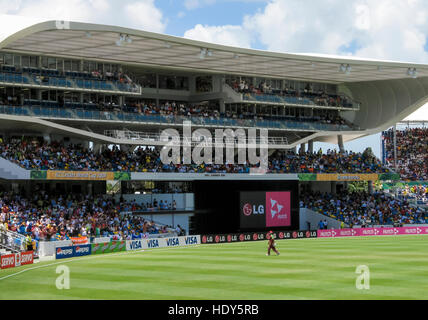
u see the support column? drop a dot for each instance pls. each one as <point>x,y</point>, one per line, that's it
<point>302,148</point>
<point>394,130</point>
<point>47,138</point>
<point>340,143</point>
<point>370,184</point>
<point>97,148</point>
<point>333,185</point>
<point>222,106</point>
<point>311,146</point>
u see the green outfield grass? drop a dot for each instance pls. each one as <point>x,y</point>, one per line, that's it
<point>306,269</point>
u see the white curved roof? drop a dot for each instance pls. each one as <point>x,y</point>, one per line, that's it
<point>98,42</point>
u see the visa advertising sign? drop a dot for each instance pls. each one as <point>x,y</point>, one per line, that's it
<point>162,242</point>
<point>259,209</point>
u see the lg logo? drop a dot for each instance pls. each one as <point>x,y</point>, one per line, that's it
<point>249,209</point>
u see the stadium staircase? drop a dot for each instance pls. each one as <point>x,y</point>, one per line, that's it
<point>11,242</point>
<point>308,215</point>
<point>11,171</point>
<point>232,95</point>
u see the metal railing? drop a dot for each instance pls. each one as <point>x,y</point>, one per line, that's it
<point>35,81</point>
<point>157,138</point>
<point>12,241</point>
<point>79,114</point>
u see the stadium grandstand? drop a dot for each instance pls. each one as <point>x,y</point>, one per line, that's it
<point>84,108</point>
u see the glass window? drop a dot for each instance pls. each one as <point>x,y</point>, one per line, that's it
<point>52,63</point>
<point>60,64</point>
<point>45,63</point>
<point>17,61</point>
<point>85,66</point>
<point>76,66</point>
<point>25,61</point>
<point>8,59</point>
<point>34,62</point>
<point>67,65</point>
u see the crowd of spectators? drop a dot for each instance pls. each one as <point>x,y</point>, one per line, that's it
<point>173,110</point>
<point>48,217</point>
<point>320,98</point>
<point>415,192</point>
<point>412,152</point>
<point>41,155</point>
<point>363,209</point>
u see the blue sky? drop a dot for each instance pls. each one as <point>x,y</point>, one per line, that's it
<point>382,29</point>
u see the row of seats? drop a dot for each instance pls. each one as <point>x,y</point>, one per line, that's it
<point>54,79</point>
<point>14,78</point>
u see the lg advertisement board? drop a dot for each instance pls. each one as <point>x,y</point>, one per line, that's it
<point>261,209</point>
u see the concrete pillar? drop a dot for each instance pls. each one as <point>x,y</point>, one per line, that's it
<point>394,131</point>
<point>340,143</point>
<point>294,150</point>
<point>311,146</point>
<point>124,147</point>
<point>47,137</point>
<point>222,106</point>
<point>370,187</point>
<point>90,188</point>
<point>97,148</point>
<point>333,185</point>
<point>302,148</point>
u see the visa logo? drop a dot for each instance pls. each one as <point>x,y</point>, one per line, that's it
<point>191,240</point>
<point>172,242</point>
<point>153,243</point>
<point>135,245</point>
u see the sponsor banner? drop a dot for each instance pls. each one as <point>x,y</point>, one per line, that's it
<point>27,257</point>
<point>261,209</point>
<point>364,232</point>
<point>122,176</point>
<point>402,185</point>
<point>8,261</point>
<point>17,259</point>
<point>347,177</point>
<point>278,209</point>
<point>38,175</point>
<point>162,242</point>
<point>96,248</point>
<point>121,246</point>
<point>82,250</point>
<point>389,176</point>
<point>79,175</point>
<point>255,236</point>
<point>64,252</point>
<point>81,240</point>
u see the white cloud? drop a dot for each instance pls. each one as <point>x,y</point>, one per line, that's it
<point>194,4</point>
<point>77,10</point>
<point>141,14</point>
<point>226,35</point>
<point>146,16</point>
